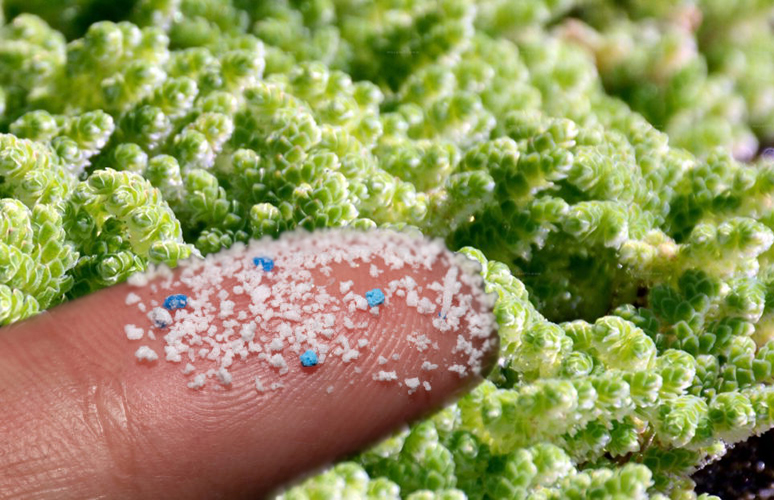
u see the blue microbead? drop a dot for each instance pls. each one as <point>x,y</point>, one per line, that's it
<point>309,358</point>
<point>177,301</point>
<point>266,263</point>
<point>374,297</point>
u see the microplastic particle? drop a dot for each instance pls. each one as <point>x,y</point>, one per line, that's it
<point>133,332</point>
<point>177,301</point>
<point>132,299</point>
<point>198,382</point>
<point>264,262</point>
<point>412,383</point>
<point>224,376</point>
<point>160,317</point>
<point>425,306</point>
<point>385,376</point>
<point>344,286</point>
<point>172,354</point>
<point>461,370</point>
<point>309,358</point>
<point>374,297</point>
<point>349,355</point>
<point>278,361</point>
<point>145,353</point>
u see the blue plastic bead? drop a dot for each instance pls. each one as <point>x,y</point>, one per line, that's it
<point>266,263</point>
<point>177,301</point>
<point>374,297</point>
<point>309,358</point>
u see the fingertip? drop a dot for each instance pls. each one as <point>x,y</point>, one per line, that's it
<point>398,324</point>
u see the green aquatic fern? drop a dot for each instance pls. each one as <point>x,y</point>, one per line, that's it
<point>588,154</point>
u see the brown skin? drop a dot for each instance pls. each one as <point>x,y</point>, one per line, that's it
<point>80,417</point>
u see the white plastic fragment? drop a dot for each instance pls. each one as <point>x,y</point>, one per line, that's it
<point>459,369</point>
<point>428,366</point>
<point>412,384</point>
<point>198,381</point>
<point>385,376</point>
<point>132,298</point>
<point>224,376</point>
<point>160,317</point>
<point>133,332</point>
<point>344,286</point>
<point>145,353</point>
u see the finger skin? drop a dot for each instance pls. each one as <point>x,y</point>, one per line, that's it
<point>81,417</point>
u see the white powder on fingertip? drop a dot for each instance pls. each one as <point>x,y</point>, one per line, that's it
<point>422,342</point>
<point>138,279</point>
<point>133,332</point>
<point>344,286</point>
<point>426,365</point>
<point>224,376</point>
<point>385,376</point>
<point>132,299</point>
<point>277,361</point>
<point>425,306</point>
<point>198,381</point>
<point>160,317</point>
<point>349,355</point>
<point>459,369</point>
<point>412,384</point>
<point>145,353</point>
<point>172,354</point>
<point>294,306</point>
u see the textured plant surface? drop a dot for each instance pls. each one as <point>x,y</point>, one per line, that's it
<point>587,153</point>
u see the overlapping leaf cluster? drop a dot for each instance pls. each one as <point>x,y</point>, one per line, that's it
<point>698,69</point>
<point>635,279</point>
